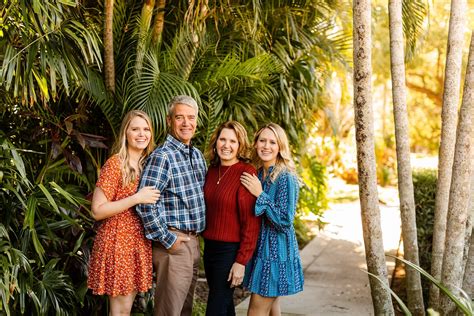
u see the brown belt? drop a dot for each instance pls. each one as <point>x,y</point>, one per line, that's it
<point>186,232</point>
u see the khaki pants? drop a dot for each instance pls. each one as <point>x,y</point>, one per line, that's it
<point>176,275</point>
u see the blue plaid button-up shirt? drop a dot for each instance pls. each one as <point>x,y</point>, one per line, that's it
<point>178,171</point>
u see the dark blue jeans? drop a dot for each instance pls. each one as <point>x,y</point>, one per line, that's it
<point>219,256</point>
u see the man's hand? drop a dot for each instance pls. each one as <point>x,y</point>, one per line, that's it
<point>236,274</point>
<point>177,244</point>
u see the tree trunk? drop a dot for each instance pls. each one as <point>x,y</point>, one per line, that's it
<point>405,181</point>
<point>452,272</point>
<point>109,64</point>
<point>159,22</point>
<point>195,18</point>
<point>468,282</point>
<point>452,84</point>
<point>145,23</point>
<point>370,212</point>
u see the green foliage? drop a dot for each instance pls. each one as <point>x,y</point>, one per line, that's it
<point>313,196</point>
<point>302,231</point>
<point>400,302</point>
<point>35,37</point>
<point>249,72</point>
<point>424,186</point>
<point>313,191</point>
<point>199,308</point>
<point>464,303</point>
<point>385,156</point>
<point>414,13</point>
<point>46,223</point>
<point>252,62</point>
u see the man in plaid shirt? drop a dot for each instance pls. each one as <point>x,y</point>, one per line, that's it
<point>178,170</point>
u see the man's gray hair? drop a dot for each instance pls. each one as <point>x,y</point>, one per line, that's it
<point>182,99</point>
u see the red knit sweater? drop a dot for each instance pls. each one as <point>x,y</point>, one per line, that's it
<point>230,209</point>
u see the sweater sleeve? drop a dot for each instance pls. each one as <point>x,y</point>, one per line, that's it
<point>279,208</point>
<point>249,223</point>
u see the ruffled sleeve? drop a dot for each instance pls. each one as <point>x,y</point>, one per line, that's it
<point>279,206</point>
<point>110,178</point>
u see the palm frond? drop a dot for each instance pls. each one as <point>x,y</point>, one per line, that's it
<point>93,87</point>
<point>44,43</point>
<point>464,305</point>
<point>212,106</point>
<point>55,290</point>
<point>402,305</point>
<point>153,90</point>
<point>414,13</point>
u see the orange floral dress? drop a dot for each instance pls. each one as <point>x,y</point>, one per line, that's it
<point>121,256</point>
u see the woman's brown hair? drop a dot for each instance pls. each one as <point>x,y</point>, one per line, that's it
<point>243,153</point>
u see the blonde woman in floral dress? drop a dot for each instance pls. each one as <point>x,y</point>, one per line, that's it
<point>121,263</point>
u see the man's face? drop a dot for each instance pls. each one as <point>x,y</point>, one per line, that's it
<point>183,122</point>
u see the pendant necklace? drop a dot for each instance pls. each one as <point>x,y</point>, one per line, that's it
<point>218,181</point>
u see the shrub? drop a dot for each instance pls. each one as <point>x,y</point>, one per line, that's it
<point>313,196</point>
<point>424,183</point>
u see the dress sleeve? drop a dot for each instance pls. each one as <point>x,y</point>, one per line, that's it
<point>156,174</point>
<point>280,209</point>
<point>110,178</point>
<point>249,223</point>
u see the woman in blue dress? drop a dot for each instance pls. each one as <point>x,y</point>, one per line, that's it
<point>275,269</point>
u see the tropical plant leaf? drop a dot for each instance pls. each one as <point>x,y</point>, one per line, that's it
<point>49,197</point>
<point>414,13</point>
<point>456,300</point>
<point>402,305</point>
<point>65,194</point>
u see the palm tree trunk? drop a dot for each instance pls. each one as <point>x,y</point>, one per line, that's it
<point>452,272</point>
<point>109,64</point>
<point>195,17</point>
<point>145,23</point>
<point>159,22</point>
<point>452,83</point>
<point>370,212</point>
<point>405,181</point>
<point>468,282</point>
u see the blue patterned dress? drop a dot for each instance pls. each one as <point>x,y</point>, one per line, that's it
<point>275,268</point>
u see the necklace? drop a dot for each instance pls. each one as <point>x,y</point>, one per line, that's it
<point>218,181</point>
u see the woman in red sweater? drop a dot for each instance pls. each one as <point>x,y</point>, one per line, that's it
<point>231,227</point>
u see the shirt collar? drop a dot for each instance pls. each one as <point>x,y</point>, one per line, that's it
<point>170,139</point>
<point>268,174</point>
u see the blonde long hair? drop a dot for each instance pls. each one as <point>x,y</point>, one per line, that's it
<point>243,154</point>
<point>283,160</point>
<point>120,147</point>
